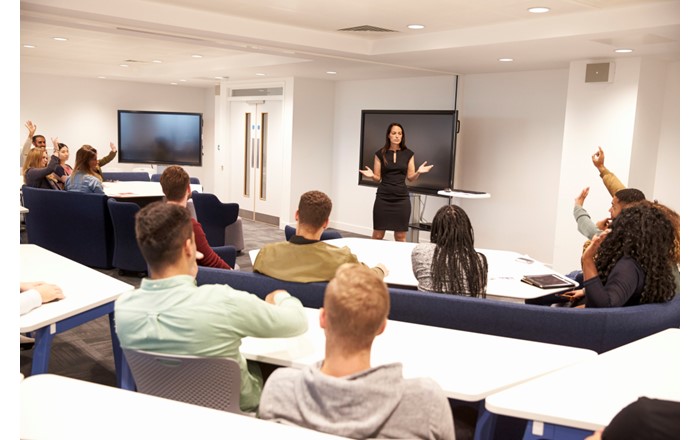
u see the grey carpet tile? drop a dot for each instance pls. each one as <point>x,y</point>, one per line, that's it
<point>85,352</point>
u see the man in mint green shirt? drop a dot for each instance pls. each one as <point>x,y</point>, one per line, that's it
<point>169,313</point>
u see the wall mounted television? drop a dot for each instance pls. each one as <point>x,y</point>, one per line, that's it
<point>430,134</point>
<point>160,137</point>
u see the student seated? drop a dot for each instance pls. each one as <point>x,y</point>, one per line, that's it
<point>632,263</point>
<point>170,314</point>
<point>175,183</point>
<point>305,258</point>
<point>449,263</point>
<point>343,395</point>
<point>84,178</point>
<point>38,167</point>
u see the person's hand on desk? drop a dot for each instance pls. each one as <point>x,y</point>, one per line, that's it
<point>383,268</point>
<point>48,292</point>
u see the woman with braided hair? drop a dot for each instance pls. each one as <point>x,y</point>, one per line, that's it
<point>631,263</point>
<point>449,263</point>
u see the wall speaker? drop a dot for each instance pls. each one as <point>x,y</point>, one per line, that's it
<point>600,72</point>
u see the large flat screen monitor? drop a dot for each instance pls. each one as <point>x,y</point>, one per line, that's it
<point>430,134</point>
<point>160,137</point>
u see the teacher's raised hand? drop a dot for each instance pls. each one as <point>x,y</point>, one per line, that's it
<point>367,172</point>
<point>424,168</point>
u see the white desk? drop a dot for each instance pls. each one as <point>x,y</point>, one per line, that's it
<point>137,189</point>
<point>587,395</point>
<point>89,294</point>
<point>468,366</point>
<point>56,407</point>
<point>506,268</point>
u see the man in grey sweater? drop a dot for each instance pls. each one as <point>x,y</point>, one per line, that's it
<point>343,395</point>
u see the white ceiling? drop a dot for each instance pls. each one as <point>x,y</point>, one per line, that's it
<point>246,39</point>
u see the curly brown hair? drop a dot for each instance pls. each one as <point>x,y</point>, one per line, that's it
<point>645,234</point>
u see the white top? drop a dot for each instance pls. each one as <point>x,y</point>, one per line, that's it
<point>130,189</point>
<point>84,288</point>
<point>467,366</point>
<point>589,394</point>
<point>55,407</point>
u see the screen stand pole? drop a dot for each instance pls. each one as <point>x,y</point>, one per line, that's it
<point>414,223</point>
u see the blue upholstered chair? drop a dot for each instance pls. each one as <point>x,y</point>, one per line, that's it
<point>227,253</point>
<point>127,256</point>
<point>156,178</point>
<point>72,224</point>
<point>127,176</point>
<point>289,232</point>
<point>214,216</point>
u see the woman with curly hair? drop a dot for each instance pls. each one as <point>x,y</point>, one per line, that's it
<point>631,263</point>
<point>449,263</point>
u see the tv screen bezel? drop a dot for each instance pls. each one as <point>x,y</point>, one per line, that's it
<point>159,162</point>
<point>412,187</point>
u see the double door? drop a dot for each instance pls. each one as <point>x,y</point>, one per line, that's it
<point>256,157</point>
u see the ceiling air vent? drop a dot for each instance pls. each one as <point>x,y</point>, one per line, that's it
<point>365,28</point>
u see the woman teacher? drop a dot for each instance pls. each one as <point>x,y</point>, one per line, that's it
<point>393,164</point>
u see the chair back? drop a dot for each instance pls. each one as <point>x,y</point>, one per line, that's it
<point>125,176</point>
<point>214,216</point>
<point>156,178</point>
<point>290,231</point>
<point>205,381</point>
<point>127,255</point>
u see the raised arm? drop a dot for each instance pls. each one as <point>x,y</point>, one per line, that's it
<point>376,174</point>
<point>610,180</point>
<point>108,158</point>
<point>412,174</point>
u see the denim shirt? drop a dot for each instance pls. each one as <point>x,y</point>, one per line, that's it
<point>81,182</point>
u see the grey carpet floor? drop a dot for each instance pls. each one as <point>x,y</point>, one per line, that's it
<point>85,352</point>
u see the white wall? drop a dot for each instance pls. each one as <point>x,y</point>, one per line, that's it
<point>627,117</point>
<point>510,147</point>
<point>352,204</point>
<point>312,141</point>
<point>84,111</point>
<point>667,180</point>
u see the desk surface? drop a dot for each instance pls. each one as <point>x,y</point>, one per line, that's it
<point>129,189</point>
<point>506,268</point>
<point>468,366</point>
<point>589,394</point>
<point>55,407</point>
<point>84,288</point>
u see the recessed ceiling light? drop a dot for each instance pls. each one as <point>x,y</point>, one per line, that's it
<point>156,61</point>
<point>60,39</point>
<point>331,72</point>
<point>123,65</point>
<point>183,80</point>
<point>259,74</point>
<point>218,77</point>
<point>505,60</point>
<point>538,10</point>
<point>173,84</point>
<point>624,50</point>
<point>102,77</point>
<point>196,56</point>
<point>29,46</point>
<point>415,26</point>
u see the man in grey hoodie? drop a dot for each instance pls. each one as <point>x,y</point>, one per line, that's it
<point>343,395</point>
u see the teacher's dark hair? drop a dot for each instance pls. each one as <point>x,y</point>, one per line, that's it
<point>455,260</point>
<point>644,233</point>
<point>387,142</point>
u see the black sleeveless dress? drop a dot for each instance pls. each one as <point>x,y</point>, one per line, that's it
<point>392,206</point>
